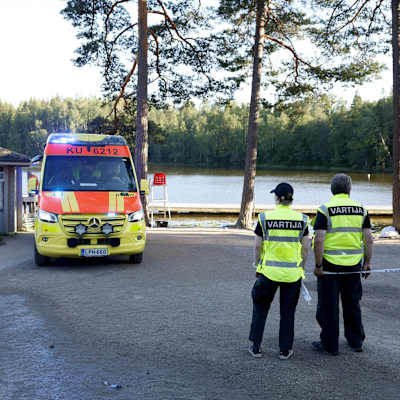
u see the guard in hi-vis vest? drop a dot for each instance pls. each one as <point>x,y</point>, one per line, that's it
<point>281,247</point>
<point>343,243</point>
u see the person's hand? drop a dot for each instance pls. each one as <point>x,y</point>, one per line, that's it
<point>318,271</point>
<point>366,267</point>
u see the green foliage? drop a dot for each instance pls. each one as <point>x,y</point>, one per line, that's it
<point>319,132</point>
<point>179,46</point>
<point>25,129</point>
<point>348,26</point>
<point>308,44</point>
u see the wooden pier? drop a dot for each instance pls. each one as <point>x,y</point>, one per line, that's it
<point>200,208</point>
<point>381,214</point>
<point>378,214</point>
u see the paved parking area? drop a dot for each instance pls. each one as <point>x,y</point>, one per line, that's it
<point>176,327</point>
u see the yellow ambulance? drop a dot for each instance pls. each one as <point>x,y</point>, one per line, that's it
<point>88,201</point>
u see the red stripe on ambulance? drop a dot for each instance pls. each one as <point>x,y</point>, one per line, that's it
<point>86,150</point>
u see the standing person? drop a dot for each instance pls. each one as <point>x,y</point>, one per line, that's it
<point>281,247</point>
<point>342,237</point>
<point>33,183</point>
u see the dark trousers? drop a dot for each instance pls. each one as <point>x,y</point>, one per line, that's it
<point>350,290</point>
<point>263,293</point>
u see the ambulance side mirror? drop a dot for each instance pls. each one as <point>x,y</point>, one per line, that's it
<point>144,187</point>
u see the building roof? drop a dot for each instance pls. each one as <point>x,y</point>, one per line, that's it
<point>12,158</point>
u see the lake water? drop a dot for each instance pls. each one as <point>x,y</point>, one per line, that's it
<point>221,186</point>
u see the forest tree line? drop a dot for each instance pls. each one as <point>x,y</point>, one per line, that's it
<point>318,133</point>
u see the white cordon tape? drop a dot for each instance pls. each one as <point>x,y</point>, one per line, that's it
<point>306,294</point>
<point>372,271</point>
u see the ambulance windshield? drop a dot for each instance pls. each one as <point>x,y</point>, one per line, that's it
<point>88,173</point>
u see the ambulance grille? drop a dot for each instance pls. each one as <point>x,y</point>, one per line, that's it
<point>92,222</point>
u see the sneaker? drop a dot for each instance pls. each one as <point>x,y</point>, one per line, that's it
<point>255,350</point>
<point>285,355</point>
<point>318,346</point>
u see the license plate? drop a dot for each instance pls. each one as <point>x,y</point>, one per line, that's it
<point>94,252</point>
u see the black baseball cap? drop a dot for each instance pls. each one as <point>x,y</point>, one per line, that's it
<point>284,191</point>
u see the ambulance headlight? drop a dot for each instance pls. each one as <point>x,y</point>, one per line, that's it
<point>46,216</point>
<point>136,216</point>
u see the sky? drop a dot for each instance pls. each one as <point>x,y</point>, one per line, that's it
<point>37,47</point>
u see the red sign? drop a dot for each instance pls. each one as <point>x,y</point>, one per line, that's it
<point>69,149</point>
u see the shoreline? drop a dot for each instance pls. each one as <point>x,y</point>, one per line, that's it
<point>267,167</point>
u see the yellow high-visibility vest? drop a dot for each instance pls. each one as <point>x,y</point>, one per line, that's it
<point>281,258</point>
<point>33,183</point>
<point>343,243</point>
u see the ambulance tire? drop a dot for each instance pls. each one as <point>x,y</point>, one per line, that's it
<point>136,258</point>
<point>40,260</point>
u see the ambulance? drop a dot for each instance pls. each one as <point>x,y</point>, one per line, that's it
<point>88,200</point>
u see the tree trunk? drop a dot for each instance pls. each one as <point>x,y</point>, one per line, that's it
<point>245,219</point>
<point>141,141</point>
<point>396,113</point>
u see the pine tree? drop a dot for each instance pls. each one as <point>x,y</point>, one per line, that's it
<point>370,27</point>
<point>116,40</point>
<point>396,112</point>
<point>290,72</point>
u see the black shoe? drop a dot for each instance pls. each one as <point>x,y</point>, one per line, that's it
<point>255,350</point>
<point>356,349</point>
<point>285,355</point>
<point>318,346</point>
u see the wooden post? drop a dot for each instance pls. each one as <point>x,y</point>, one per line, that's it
<point>11,201</point>
<point>18,197</point>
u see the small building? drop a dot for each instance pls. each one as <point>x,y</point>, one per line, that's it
<point>11,164</point>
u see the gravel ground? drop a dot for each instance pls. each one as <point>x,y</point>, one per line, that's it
<point>176,327</point>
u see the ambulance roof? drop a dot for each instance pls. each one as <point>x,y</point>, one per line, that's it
<point>85,139</point>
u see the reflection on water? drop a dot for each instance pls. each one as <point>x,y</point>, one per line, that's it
<point>194,185</point>
<point>203,221</point>
<point>219,186</point>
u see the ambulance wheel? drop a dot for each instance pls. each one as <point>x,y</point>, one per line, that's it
<point>136,258</point>
<point>40,260</point>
